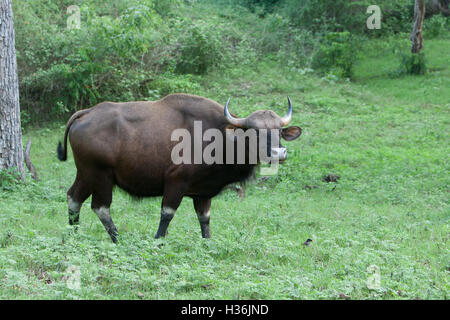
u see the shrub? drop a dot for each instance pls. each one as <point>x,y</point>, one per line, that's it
<point>201,48</point>
<point>336,54</point>
<point>322,15</point>
<point>121,48</point>
<point>9,179</point>
<point>298,50</point>
<point>436,26</point>
<point>263,5</point>
<point>274,32</point>
<point>413,64</point>
<point>347,15</point>
<point>397,17</point>
<point>165,7</point>
<point>64,70</point>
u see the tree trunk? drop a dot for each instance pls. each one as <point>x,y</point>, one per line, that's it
<point>416,35</point>
<point>11,150</point>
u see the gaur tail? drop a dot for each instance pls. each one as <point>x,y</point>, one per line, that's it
<point>62,150</point>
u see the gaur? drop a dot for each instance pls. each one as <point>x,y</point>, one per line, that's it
<point>129,145</point>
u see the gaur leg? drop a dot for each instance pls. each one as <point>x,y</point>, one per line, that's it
<point>202,206</point>
<point>103,213</point>
<point>76,195</point>
<point>171,200</point>
<point>101,202</point>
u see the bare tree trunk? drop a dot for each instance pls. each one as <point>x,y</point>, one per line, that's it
<point>416,35</point>
<point>11,150</point>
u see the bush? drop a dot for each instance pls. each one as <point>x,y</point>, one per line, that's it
<point>323,15</point>
<point>298,51</point>
<point>10,179</point>
<point>336,54</point>
<point>264,6</point>
<point>347,15</point>
<point>274,33</point>
<point>64,70</point>
<point>436,26</point>
<point>413,64</point>
<point>166,7</point>
<point>333,16</point>
<point>397,17</point>
<point>201,48</point>
<point>122,46</point>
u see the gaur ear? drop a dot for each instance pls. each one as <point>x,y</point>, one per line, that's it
<point>291,133</point>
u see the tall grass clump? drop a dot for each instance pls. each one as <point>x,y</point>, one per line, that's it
<point>413,64</point>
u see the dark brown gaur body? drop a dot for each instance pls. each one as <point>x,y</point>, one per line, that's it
<point>129,145</point>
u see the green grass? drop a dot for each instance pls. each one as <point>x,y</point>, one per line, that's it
<point>387,138</point>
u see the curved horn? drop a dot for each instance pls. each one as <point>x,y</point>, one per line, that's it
<point>288,117</point>
<point>238,122</point>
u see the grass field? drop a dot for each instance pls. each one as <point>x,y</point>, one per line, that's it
<point>388,140</point>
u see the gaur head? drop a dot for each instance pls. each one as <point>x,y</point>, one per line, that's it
<point>272,125</point>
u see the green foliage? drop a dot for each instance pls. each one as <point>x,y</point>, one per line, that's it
<point>337,54</point>
<point>318,15</point>
<point>120,48</point>
<point>435,26</point>
<point>169,83</point>
<point>332,16</point>
<point>262,6</point>
<point>201,48</point>
<point>408,63</point>
<point>386,138</point>
<point>9,179</point>
<point>78,68</point>
<point>397,17</point>
<point>345,15</point>
<point>275,31</point>
<point>125,47</point>
<point>412,63</point>
<point>299,50</point>
<point>166,7</point>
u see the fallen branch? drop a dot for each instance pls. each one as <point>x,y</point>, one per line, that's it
<point>28,162</point>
